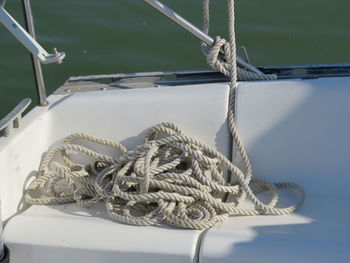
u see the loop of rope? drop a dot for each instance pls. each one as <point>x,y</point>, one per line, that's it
<point>171,179</point>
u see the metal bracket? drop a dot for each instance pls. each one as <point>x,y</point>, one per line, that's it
<point>27,40</point>
<point>245,52</point>
<point>13,119</point>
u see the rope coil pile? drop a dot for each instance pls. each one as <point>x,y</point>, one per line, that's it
<point>171,179</point>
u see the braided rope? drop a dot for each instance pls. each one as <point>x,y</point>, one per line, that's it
<point>171,179</point>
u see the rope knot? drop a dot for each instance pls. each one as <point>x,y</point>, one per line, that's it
<point>219,54</point>
<point>221,57</point>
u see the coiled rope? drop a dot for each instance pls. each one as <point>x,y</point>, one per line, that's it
<point>171,179</point>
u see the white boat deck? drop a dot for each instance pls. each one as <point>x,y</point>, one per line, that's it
<point>44,234</point>
<point>294,130</point>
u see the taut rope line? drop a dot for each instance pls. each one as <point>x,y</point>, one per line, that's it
<point>170,179</point>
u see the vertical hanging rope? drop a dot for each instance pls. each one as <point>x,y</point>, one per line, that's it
<point>231,57</point>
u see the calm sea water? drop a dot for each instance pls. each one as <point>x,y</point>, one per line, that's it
<point>113,36</point>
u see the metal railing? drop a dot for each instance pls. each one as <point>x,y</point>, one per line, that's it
<point>38,73</point>
<point>13,119</point>
<point>27,38</point>
<point>39,54</point>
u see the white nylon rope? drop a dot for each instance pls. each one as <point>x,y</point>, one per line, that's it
<point>171,179</point>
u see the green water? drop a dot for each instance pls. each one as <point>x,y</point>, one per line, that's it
<point>113,36</point>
